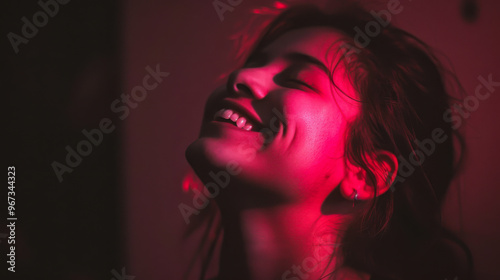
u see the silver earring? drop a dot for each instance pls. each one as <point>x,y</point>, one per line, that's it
<point>355,198</point>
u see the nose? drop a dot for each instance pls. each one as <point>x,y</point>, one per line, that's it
<point>252,82</point>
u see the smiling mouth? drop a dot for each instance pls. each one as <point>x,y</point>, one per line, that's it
<point>233,117</point>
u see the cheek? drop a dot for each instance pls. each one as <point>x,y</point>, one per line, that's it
<point>317,150</point>
<point>320,127</point>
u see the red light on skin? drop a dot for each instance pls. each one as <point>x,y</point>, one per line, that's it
<point>191,181</point>
<point>285,224</point>
<point>256,11</point>
<point>265,11</point>
<point>186,182</point>
<point>279,5</point>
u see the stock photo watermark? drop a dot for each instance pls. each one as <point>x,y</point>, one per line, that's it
<point>11,226</point>
<point>455,116</point>
<point>223,6</point>
<point>30,27</point>
<point>372,29</point>
<point>121,276</point>
<point>12,217</point>
<point>121,106</point>
<point>311,263</point>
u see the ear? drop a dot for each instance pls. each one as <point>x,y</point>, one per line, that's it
<point>356,181</point>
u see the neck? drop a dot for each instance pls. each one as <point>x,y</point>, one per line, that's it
<point>280,242</point>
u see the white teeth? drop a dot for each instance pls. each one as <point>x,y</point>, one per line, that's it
<point>247,127</point>
<point>234,117</point>
<point>241,122</point>
<point>229,114</point>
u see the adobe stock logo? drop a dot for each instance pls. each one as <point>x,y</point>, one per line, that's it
<point>373,28</point>
<point>321,253</point>
<point>122,275</point>
<point>455,116</point>
<point>221,7</point>
<point>39,19</point>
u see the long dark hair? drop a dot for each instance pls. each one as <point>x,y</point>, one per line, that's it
<point>403,93</point>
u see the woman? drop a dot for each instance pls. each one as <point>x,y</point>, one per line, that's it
<point>332,156</point>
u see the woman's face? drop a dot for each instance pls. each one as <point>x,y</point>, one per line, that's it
<point>279,125</point>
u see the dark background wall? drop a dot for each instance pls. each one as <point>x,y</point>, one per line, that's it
<point>60,82</point>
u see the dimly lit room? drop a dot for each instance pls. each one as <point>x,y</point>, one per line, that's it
<point>251,140</point>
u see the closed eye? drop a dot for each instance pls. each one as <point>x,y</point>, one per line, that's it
<point>297,76</point>
<point>297,83</point>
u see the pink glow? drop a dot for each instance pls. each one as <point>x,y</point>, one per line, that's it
<point>280,5</point>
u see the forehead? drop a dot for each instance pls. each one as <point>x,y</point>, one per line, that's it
<point>319,42</point>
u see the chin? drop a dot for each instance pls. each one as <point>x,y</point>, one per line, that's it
<point>206,155</point>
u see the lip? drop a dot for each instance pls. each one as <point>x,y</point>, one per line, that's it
<point>246,112</point>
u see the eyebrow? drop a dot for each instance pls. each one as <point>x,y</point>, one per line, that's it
<point>307,59</point>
